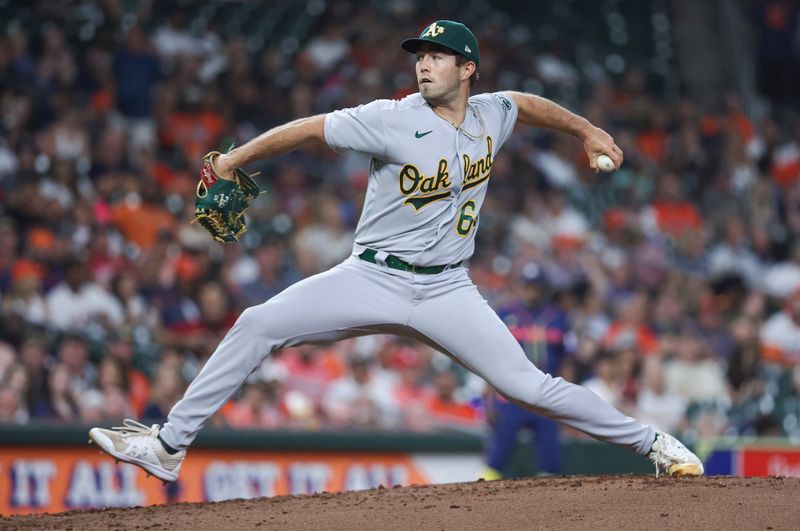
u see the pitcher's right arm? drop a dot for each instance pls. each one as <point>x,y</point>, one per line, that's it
<point>277,141</point>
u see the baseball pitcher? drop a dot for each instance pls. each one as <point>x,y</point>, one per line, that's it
<point>431,160</point>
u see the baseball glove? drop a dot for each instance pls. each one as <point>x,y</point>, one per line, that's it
<point>220,204</point>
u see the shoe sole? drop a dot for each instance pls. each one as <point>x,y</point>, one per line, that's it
<point>685,470</point>
<point>104,443</point>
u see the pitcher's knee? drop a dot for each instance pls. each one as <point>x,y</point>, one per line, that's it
<point>267,322</point>
<point>251,319</point>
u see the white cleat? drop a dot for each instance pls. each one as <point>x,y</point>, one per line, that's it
<point>672,458</point>
<point>137,444</point>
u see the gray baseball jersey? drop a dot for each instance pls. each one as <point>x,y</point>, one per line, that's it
<point>427,182</point>
<point>427,178</point>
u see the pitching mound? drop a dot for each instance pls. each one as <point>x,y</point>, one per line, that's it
<point>619,502</point>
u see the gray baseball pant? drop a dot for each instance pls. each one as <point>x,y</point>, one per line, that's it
<point>444,310</point>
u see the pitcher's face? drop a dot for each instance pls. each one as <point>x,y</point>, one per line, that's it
<point>437,74</point>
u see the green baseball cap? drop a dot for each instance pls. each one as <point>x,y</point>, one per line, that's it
<point>452,35</point>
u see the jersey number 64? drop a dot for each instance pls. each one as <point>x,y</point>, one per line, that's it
<point>467,219</point>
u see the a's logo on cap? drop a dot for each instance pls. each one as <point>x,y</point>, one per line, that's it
<point>434,30</point>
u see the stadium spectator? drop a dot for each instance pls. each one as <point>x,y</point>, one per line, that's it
<point>357,401</point>
<point>744,365</point>
<point>141,218</point>
<point>780,335</point>
<point>445,409</point>
<point>8,251</point>
<point>657,406</point>
<point>167,389</point>
<point>258,407</point>
<point>104,406</point>
<point>311,370</point>
<point>120,350</point>
<point>136,309</point>
<point>12,406</point>
<point>327,49</point>
<point>734,254</point>
<point>671,213</point>
<point>35,359</point>
<point>326,242</point>
<point>403,370</point>
<point>630,329</point>
<point>113,383</point>
<point>77,303</point>
<point>783,278</point>
<point>271,277</point>
<point>605,381</point>
<point>693,373</point>
<point>172,40</point>
<point>24,296</point>
<point>65,400</point>
<point>136,70</point>
<point>212,319</point>
<point>73,357</point>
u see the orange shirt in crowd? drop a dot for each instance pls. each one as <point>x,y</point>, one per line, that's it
<point>141,223</point>
<point>676,217</point>
<point>786,171</point>
<point>194,132</point>
<point>642,338</point>
<point>653,144</point>
<point>450,412</point>
<point>174,180</point>
<point>139,392</point>
<point>743,125</point>
<point>325,365</point>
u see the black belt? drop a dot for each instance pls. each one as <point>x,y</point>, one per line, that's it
<point>395,263</point>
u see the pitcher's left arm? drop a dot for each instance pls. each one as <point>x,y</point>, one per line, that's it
<point>541,112</point>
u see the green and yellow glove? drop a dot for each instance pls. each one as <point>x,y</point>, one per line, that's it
<point>220,204</point>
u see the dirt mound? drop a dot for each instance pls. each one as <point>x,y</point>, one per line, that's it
<point>580,502</point>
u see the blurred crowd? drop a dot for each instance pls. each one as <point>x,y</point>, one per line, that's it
<point>676,280</point>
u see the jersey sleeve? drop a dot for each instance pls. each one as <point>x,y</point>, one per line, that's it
<point>504,109</point>
<point>509,111</point>
<point>357,129</point>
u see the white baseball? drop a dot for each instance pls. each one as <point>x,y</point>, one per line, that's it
<point>605,163</point>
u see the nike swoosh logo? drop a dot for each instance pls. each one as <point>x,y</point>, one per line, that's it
<point>420,135</point>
